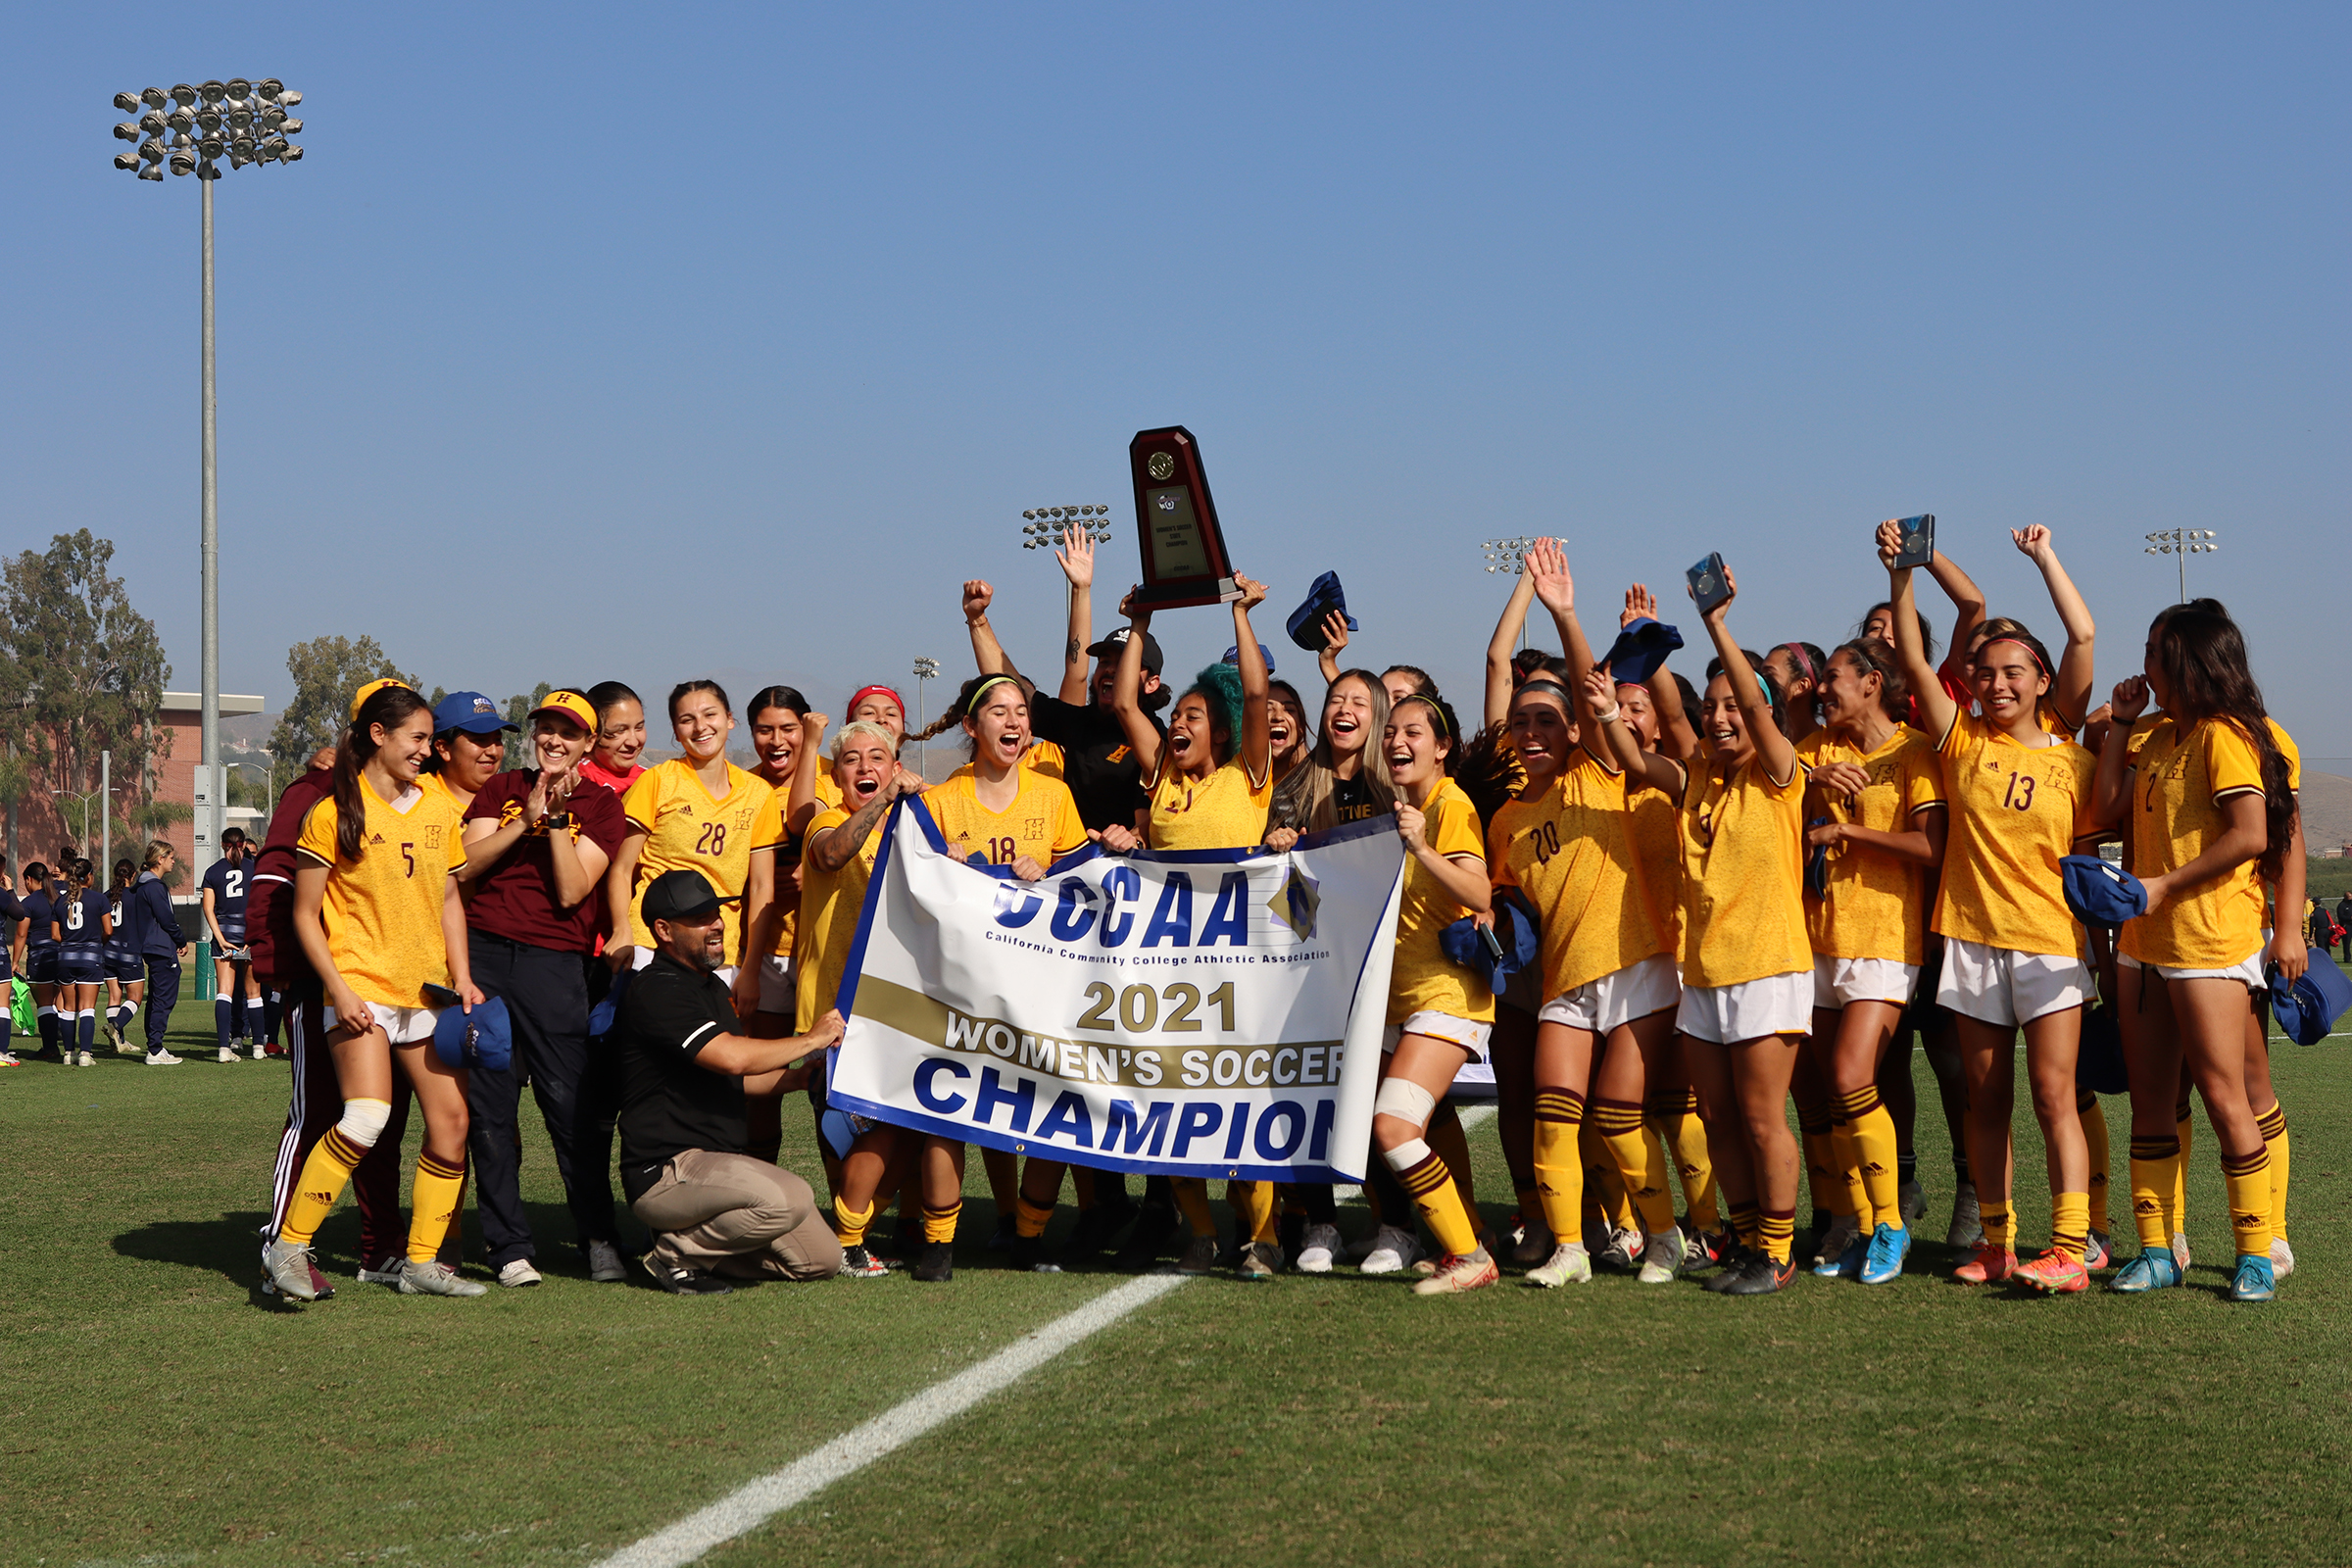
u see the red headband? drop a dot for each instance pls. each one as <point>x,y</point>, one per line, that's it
<point>863,692</point>
<point>2022,643</point>
<point>1797,651</point>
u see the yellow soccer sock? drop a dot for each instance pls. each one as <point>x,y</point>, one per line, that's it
<point>1447,1136</point>
<point>2177,1217</point>
<point>2093,1117</point>
<point>2001,1226</point>
<point>1603,1191</point>
<point>1560,1171</point>
<point>1424,1175</point>
<point>434,1203</point>
<point>2273,1123</point>
<point>1676,1118</point>
<point>1822,1182</point>
<point>850,1223</point>
<point>1030,1220</point>
<point>325,1175</point>
<point>1776,1232</point>
<point>2155,1171</point>
<point>1871,1126</point>
<point>1745,1223</point>
<point>1253,1204</point>
<point>1619,1125</point>
<point>2249,1180</point>
<point>1192,1196</point>
<point>939,1224</point>
<point>2069,1220</point>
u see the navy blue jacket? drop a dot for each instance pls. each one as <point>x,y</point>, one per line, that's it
<point>158,929</point>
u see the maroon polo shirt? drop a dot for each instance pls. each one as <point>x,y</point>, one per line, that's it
<point>277,955</point>
<point>516,897</point>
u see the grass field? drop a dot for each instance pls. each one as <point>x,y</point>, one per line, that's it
<point>156,1409</point>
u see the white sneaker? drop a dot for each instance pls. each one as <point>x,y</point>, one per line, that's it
<point>1570,1264</point>
<point>228,1053</point>
<point>2180,1251</point>
<point>603,1263</point>
<point>2282,1257</point>
<point>517,1274</point>
<point>1661,1257</point>
<point>1321,1245</point>
<point>1392,1249</point>
<point>258,1052</point>
<point>436,1278</point>
<point>162,1058</point>
<point>88,1061</point>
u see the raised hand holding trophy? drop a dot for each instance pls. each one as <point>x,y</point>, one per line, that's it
<point>1176,524</point>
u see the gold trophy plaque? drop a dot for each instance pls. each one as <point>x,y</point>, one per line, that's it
<point>1176,523</point>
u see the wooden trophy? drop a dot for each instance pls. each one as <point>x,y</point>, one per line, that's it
<point>1176,523</point>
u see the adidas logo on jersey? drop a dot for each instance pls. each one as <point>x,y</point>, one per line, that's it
<point>375,838</point>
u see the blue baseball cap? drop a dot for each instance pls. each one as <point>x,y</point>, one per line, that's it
<point>482,1037</point>
<point>1233,655</point>
<point>2307,1009</point>
<point>2100,894</point>
<point>1306,625</point>
<point>1516,932</point>
<point>1639,650</point>
<point>471,712</point>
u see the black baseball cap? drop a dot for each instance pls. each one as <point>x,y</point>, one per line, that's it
<point>681,894</point>
<point>1113,645</point>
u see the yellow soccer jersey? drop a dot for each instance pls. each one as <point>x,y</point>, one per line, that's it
<point>1877,903</point>
<point>2292,752</point>
<point>1047,758</point>
<point>1423,979</point>
<point>773,837</point>
<point>688,828</point>
<point>383,911</point>
<point>2179,779</point>
<point>830,904</point>
<point>2015,813</point>
<point>1042,823</point>
<point>1571,851</point>
<point>828,788</point>
<point>1743,907</point>
<point>1225,811</point>
<point>1658,857</point>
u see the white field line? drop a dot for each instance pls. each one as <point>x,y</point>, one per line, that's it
<point>754,1503</point>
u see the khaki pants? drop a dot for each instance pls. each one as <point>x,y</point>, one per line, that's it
<point>733,1214</point>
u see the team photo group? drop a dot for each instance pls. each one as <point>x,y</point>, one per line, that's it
<point>1639,909</point>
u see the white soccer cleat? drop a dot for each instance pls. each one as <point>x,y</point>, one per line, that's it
<point>2180,1251</point>
<point>229,1053</point>
<point>162,1058</point>
<point>1393,1249</point>
<point>1663,1257</point>
<point>1318,1250</point>
<point>1570,1264</point>
<point>518,1274</point>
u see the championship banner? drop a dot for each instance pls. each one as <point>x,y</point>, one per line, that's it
<point>1210,1012</point>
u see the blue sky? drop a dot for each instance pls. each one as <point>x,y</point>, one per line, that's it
<point>645,342</point>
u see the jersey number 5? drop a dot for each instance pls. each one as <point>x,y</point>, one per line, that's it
<point>409,858</point>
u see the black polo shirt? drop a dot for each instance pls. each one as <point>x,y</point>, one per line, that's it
<point>668,1102</point>
<point>1098,764</point>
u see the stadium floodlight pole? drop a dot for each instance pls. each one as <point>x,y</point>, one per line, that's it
<point>246,123</point>
<point>1042,529</point>
<point>1508,556</point>
<point>926,670</point>
<point>2182,543</point>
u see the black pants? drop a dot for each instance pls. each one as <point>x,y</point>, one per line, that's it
<point>547,1000</point>
<point>163,993</point>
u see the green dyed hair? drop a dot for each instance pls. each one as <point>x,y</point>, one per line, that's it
<point>1220,686</point>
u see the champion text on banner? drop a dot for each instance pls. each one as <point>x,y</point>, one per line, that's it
<point>1213,1012</point>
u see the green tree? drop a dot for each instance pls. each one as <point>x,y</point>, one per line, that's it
<point>518,739</point>
<point>81,671</point>
<point>327,671</point>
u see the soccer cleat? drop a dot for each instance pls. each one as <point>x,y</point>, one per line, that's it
<point>436,1278</point>
<point>2181,1250</point>
<point>1622,1251</point>
<point>859,1264</point>
<point>1967,1220</point>
<point>1991,1266</point>
<point>2054,1273</point>
<point>1199,1255</point>
<point>1829,1242</point>
<point>1028,1255</point>
<point>1883,1260</point>
<point>1761,1274</point>
<point>258,1052</point>
<point>2096,1252</point>
<point>1663,1257</point>
<point>1732,1257</point>
<point>8,1059</point>
<point>1910,1202</point>
<point>2282,1257</point>
<point>1001,1239</point>
<point>1456,1274</point>
<point>229,1053</point>
<point>1260,1260</point>
<point>518,1274</point>
<point>1393,1248</point>
<point>679,1279</point>
<point>160,1057</point>
<point>1320,1245</point>
<point>288,1268</point>
<point>88,1061</point>
<point>2152,1270</point>
<point>1155,1225</point>
<point>1851,1261</point>
<point>603,1263</point>
<point>386,1272</point>
<point>1534,1244</point>
<point>937,1265</point>
<point>1570,1264</point>
<point>2254,1280</point>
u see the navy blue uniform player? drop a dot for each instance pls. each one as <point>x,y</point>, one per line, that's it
<point>236,996</point>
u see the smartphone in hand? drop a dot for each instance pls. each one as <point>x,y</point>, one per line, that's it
<point>1709,585</point>
<point>1919,540</point>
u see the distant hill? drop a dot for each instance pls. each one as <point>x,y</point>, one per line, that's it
<point>2326,810</point>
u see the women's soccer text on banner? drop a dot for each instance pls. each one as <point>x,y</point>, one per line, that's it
<point>1213,1012</point>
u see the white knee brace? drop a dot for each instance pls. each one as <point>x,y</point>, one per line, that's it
<point>1405,1100</point>
<point>364,1121</point>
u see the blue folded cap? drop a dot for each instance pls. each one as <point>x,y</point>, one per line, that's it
<point>1516,932</point>
<point>601,1016</point>
<point>482,1037</point>
<point>1640,649</point>
<point>1233,655</point>
<point>2100,894</point>
<point>1306,625</point>
<point>2307,1009</point>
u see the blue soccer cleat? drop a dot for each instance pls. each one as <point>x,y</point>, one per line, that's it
<point>1882,1263</point>
<point>2152,1270</point>
<point>2255,1281</point>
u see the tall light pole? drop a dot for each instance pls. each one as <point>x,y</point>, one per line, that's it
<point>926,670</point>
<point>1508,556</point>
<point>2183,543</point>
<point>1042,528</point>
<point>246,123</point>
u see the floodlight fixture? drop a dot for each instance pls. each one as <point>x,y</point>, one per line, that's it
<point>184,95</point>
<point>127,102</point>
<point>2180,544</point>
<point>1505,556</point>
